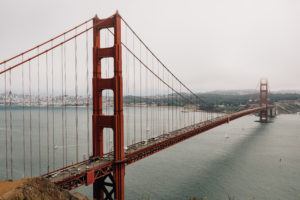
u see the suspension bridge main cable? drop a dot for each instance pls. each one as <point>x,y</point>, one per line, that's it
<point>9,98</point>
<point>135,57</point>
<point>46,42</point>
<point>49,49</point>
<point>126,23</point>
<point>130,51</point>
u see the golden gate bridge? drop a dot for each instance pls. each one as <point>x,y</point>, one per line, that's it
<point>97,91</point>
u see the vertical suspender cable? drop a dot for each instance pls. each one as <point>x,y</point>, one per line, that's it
<point>76,97</point>
<point>168,104</point>
<point>172,106</point>
<point>6,126</point>
<point>183,109</point>
<point>202,112</point>
<point>195,111</point>
<point>141,117</point>
<point>127,90</point>
<point>47,99</point>
<point>183,115</point>
<point>177,108</point>
<point>134,94</point>
<point>39,113</point>
<point>23,117</point>
<point>189,113</point>
<point>52,88</point>
<point>153,108</point>
<point>10,125</point>
<point>87,92</point>
<point>39,109</point>
<point>164,111</point>
<point>30,120</point>
<point>65,144</point>
<point>207,115</point>
<point>147,97</point>
<point>161,97</point>
<point>158,101</point>
<point>178,111</point>
<point>62,104</point>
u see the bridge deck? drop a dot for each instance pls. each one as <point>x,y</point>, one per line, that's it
<point>75,175</point>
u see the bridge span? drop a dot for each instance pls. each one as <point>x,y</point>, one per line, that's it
<point>88,171</point>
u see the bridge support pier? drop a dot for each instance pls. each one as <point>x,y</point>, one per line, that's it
<point>272,112</point>
<point>115,121</point>
<point>104,188</point>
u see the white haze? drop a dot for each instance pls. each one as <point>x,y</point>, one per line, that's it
<point>209,45</point>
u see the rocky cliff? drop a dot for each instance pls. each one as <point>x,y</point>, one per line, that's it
<point>35,188</point>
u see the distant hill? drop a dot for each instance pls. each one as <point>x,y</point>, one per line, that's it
<point>231,92</point>
<point>286,92</point>
<point>248,91</point>
<point>231,100</point>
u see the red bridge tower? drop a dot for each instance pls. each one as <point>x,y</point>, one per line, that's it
<point>263,115</point>
<point>112,186</point>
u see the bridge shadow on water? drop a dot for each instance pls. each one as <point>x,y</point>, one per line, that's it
<point>214,178</point>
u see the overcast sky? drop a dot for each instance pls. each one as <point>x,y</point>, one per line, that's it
<point>209,45</point>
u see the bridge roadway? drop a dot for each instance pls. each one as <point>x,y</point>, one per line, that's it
<point>84,173</point>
